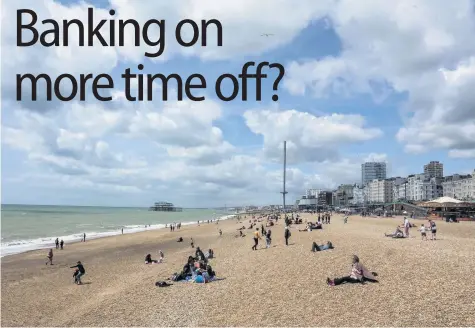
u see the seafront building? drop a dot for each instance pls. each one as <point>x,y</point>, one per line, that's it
<point>372,171</point>
<point>434,169</point>
<point>358,195</point>
<point>461,187</point>
<point>375,188</point>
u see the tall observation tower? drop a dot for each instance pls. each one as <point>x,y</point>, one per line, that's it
<point>284,192</point>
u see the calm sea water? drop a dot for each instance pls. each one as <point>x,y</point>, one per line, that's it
<point>28,227</point>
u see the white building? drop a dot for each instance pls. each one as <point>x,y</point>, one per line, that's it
<point>380,191</point>
<point>372,171</point>
<point>399,189</point>
<point>312,192</point>
<point>358,195</point>
<point>460,187</point>
<point>434,169</point>
<point>421,187</point>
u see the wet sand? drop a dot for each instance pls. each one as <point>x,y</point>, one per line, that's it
<point>422,283</point>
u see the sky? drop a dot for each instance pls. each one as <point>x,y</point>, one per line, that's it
<point>369,80</point>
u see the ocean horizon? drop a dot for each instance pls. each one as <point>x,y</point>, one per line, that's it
<point>30,227</point>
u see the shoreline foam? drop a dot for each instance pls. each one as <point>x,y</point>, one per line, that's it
<point>28,245</point>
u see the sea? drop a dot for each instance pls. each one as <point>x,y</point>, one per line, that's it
<point>29,227</point>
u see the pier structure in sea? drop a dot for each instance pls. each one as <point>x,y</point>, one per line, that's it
<point>165,207</point>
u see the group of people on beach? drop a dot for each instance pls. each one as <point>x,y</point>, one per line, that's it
<point>174,226</point>
<point>197,269</point>
<point>431,227</point>
<point>358,272</point>
<point>59,244</point>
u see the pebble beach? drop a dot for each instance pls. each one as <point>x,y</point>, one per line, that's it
<point>421,283</point>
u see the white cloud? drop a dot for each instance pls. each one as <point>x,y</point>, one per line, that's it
<point>376,157</point>
<point>422,48</point>
<point>309,138</point>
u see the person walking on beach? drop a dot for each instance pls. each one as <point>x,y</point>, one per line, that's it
<point>220,232</point>
<point>162,256</point>
<point>79,273</point>
<point>423,232</point>
<point>84,237</point>
<point>433,230</point>
<point>192,243</point>
<point>287,235</point>
<point>57,243</point>
<point>50,257</point>
<point>122,230</point>
<point>406,227</point>
<point>268,238</point>
<point>257,236</point>
<point>263,231</point>
<point>61,244</point>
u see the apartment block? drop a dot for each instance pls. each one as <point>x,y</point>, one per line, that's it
<point>460,187</point>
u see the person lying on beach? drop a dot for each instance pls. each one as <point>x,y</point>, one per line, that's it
<point>315,226</point>
<point>50,257</point>
<point>179,240</point>
<point>396,234</point>
<point>308,227</point>
<point>318,248</point>
<point>358,274</point>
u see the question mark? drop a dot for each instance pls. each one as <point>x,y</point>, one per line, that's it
<point>277,80</point>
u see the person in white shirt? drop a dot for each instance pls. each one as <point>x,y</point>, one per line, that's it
<point>406,227</point>
<point>423,232</point>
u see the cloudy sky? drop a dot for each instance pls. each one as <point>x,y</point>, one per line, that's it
<point>365,80</point>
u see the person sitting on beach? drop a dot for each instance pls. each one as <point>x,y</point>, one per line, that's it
<point>358,274</point>
<point>210,271</point>
<point>162,256</point>
<point>79,272</point>
<point>199,279</point>
<point>180,240</point>
<point>318,248</point>
<point>200,256</point>
<point>396,234</point>
<point>148,259</point>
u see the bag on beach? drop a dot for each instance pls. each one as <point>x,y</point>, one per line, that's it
<point>162,284</point>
